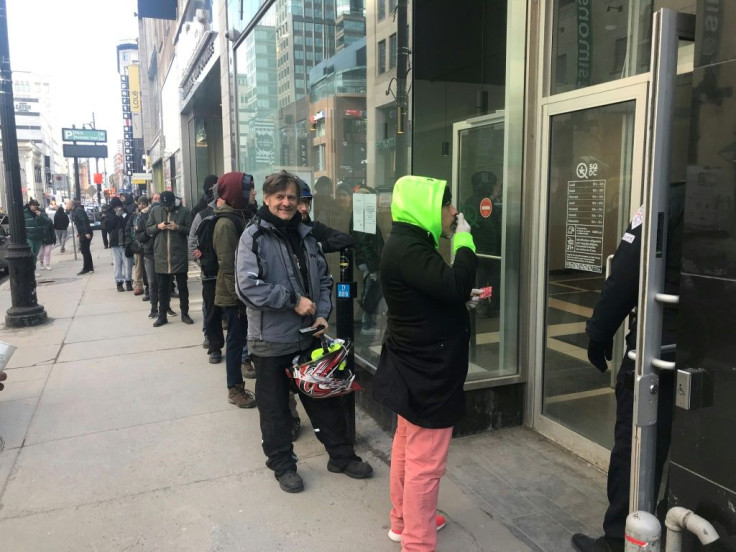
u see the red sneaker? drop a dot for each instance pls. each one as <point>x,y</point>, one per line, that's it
<point>396,535</point>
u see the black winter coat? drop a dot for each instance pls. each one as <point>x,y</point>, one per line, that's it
<point>424,360</point>
<point>61,219</point>
<point>114,224</point>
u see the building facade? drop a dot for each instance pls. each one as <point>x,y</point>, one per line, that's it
<point>536,113</point>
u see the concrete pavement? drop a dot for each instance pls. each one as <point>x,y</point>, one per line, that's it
<point>119,436</point>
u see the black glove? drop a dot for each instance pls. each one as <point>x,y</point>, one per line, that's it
<point>598,353</point>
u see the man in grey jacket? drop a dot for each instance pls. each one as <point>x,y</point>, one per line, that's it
<point>282,277</point>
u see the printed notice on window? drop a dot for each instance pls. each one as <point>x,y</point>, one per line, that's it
<point>586,206</point>
<point>364,213</point>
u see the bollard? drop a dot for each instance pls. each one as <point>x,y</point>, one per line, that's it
<point>643,532</point>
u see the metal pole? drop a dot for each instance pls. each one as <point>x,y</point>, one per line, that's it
<point>346,329</point>
<point>25,310</point>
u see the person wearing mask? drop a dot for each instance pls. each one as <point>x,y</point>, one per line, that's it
<point>84,234</point>
<point>424,359</point>
<point>61,227</point>
<point>146,242</point>
<point>133,249</point>
<point>168,224</point>
<point>233,197</point>
<point>207,195</point>
<point>34,228</point>
<point>283,278</point>
<point>115,223</point>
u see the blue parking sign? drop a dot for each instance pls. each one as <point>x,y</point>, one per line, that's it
<point>343,291</point>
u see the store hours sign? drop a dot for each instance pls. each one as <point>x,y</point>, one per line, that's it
<point>586,207</point>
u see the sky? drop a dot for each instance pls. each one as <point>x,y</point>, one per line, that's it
<point>74,42</point>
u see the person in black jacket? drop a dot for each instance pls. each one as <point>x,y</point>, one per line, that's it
<point>329,239</point>
<point>618,300</point>
<point>424,359</point>
<point>84,234</point>
<point>115,222</point>
<point>146,241</point>
<point>61,225</point>
<point>207,195</point>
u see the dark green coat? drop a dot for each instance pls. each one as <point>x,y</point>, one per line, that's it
<point>34,227</point>
<point>170,246</point>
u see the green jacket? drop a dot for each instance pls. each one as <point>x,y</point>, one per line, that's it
<point>169,246</point>
<point>225,238</point>
<point>34,225</point>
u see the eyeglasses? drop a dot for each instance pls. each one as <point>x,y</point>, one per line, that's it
<point>307,204</point>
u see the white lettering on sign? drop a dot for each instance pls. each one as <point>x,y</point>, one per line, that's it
<point>486,207</point>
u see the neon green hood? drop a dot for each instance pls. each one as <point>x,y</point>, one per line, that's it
<point>417,200</point>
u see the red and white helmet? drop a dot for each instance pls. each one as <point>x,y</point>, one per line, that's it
<point>323,373</point>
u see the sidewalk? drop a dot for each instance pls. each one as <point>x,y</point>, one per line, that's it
<point>119,436</point>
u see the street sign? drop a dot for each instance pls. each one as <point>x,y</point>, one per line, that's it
<point>83,135</point>
<point>74,150</point>
<point>142,176</point>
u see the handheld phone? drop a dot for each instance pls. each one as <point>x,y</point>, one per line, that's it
<point>310,331</point>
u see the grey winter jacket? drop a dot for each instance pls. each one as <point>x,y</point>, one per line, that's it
<point>192,239</point>
<point>267,281</point>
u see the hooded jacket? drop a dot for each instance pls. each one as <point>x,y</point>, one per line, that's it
<point>61,219</point>
<point>34,226</point>
<point>269,283</point>
<point>424,359</point>
<point>169,246</point>
<point>225,238</point>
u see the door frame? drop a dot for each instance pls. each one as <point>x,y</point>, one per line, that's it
<point>633,88</point>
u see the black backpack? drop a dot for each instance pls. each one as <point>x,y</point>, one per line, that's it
<point>205,230</point>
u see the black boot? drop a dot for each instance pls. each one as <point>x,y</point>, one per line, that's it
<point>146,296</point>
<point>128,286</point>
<point>120,286</point>
<point>153,314</point>
<point>186,318</point>
<point>160,321</point>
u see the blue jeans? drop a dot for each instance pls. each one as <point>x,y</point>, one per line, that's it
<point>118,260</point>
<point>236,336</point>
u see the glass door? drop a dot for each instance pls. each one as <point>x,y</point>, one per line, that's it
<point>593,149</point>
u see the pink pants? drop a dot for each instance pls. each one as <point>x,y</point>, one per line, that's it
<point>418,460</point>
<point>44,254</point>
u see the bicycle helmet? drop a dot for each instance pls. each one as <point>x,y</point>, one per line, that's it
<point>323,373</point>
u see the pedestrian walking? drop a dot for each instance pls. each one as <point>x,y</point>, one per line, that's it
<point>424,358</point>
<point>282,277</point>
<point>61,227</point>
<point>84,234</point>
<point>168,224</point>
<point>48,239</point>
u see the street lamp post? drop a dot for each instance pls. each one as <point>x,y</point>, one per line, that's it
<point>25,310</point>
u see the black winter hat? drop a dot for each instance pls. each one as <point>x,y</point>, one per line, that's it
<point>116,202</point>
<point>168,199</point>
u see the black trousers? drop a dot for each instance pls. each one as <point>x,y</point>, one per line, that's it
<point>326,415</point>
<point>86,255</point>
<point>619,468</point>
<point>164,292</point>
<point>212,317</point>
<point>104,238</point>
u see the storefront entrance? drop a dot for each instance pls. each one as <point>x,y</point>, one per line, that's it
<point>593,143</point>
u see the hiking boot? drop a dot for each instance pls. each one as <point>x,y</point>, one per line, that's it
<point>128,286</point>
<point>241,397</point>
<point>138,291</point>
<point>584,543</point>
<point>215,358</point>
<point>160,321</point>
<point>170,312</point>
<point>186,318</point>
<point>357,469</point>
<point>291,482</point>
<point>440,520</point>
<point>153,314</point>
<point>249,371</point>
<point>120,286</point>
<point>206,343</point>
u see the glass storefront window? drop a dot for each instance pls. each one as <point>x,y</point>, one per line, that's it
<point>464,131</point>
<point>600,41</point>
